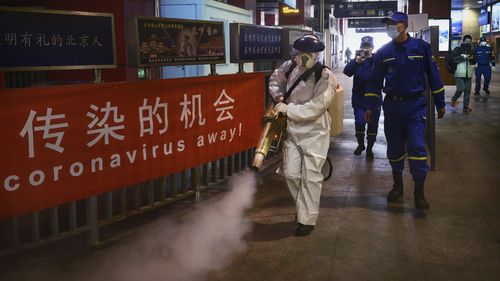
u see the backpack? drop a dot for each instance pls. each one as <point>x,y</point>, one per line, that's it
<point>451,65</point>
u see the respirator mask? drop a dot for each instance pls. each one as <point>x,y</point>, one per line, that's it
<point>483,43</point>
<point>392,31</point>
<point>307,60</point>
<point>466,45</point>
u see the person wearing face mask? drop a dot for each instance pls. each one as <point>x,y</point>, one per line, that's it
<point>485,64</point>
<point>302,89</point>
<point>361,69</point>
<point>404,63</point>
<point>465,59</point>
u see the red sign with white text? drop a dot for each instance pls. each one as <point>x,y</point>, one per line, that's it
<point>61,144</point>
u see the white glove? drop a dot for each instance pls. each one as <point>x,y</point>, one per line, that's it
<point>493,69</point>
<point>465,56</point>
<point>281,108</point>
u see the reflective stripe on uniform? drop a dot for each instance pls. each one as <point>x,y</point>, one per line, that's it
<point>399,159</point>
<point>417,158</point>
<point>438,91</point>
<point>372,134</point>
<point>388,59</point>
<point>371,95</point>
<point>415,57</point>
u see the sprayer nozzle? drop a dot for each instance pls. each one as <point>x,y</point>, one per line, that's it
<point>254,169</point>
<point>258,160</point>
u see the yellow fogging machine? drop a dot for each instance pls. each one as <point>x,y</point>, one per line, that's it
<point>270,139</point>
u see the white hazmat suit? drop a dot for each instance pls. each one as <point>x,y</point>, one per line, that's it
<point>308,135</point>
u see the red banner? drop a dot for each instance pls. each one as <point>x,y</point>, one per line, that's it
<point>61,144</point>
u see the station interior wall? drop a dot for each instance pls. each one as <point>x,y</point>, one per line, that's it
<point>205,10</point>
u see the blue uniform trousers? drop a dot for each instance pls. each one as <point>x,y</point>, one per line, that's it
<point>484,70</point>
<point>404,128</point>
<point>360,123</point>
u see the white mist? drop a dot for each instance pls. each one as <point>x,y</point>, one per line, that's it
<point>186,251</point>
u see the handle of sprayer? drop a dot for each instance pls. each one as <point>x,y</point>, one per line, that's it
<point>282,99</point>
<point>275,103</point>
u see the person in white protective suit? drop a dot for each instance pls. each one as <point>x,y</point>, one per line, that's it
<point>308,126</point>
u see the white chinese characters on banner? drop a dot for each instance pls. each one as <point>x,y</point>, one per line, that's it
<point>11,39</point>
<point>70,40</point>
<point>106,122</point>
<point>41,40</point>
<point>103,129</point>
<point>96,42</point>
<point>47,126</point>
<point>26,39</point>
<point>50,40</point>
<point>57,40</point>
<point>222,105</point>
<point>146,114</point>
<point>84,41</point>
<point>191,108</point>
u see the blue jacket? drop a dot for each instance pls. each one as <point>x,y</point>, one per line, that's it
<point>485,56</point>
<point>403,66</point>
<point>362,73</point>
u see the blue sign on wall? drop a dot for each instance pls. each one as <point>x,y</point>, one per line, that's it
<point>252,43</point>
<point>483,18</point>
<point>49,40</point>
<point>456,24</point>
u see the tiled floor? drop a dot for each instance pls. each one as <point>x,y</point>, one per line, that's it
<point>361,237</point>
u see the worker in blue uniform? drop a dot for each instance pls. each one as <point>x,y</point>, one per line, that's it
<point>485,64</point>
<point>403,63</point>
<point>361,69</point>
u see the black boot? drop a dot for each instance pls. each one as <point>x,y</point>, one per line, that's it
<point>303,229</point>
<point>418,193</point>
<point>487,91</point>
<point>360,136</point>
<point>369,152</point>
<point>361,145</point>
<point>397,188</point>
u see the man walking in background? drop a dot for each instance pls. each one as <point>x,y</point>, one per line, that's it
<point>348,55</point>
<point>485,64</point>
<point>464,57</point>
